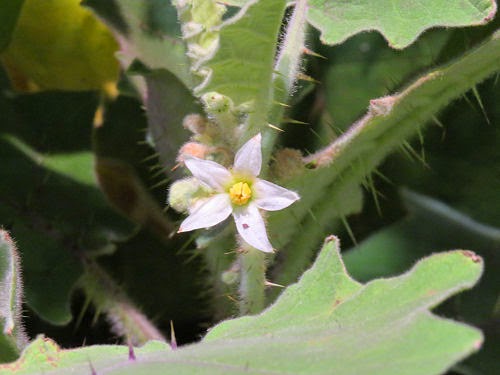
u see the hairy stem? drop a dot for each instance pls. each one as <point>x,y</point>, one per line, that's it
<point>11,291</point>
<point>288,65</point>
<point>126,318</point>
<point>289,61</point>
<point>253,279</point>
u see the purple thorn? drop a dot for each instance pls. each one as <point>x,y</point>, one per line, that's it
<point>173,340</point>
<point>92,369</point>
<point>131,353</point>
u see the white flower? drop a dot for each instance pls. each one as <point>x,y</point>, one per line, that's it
<point>239,192</point>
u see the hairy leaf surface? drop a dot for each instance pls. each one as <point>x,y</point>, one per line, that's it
<point>312,328</point>
<point>401,21</point>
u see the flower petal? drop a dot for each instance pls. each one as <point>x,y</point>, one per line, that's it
<point>214,210</point>
<point>271,197</point>
<point>208,172</point>
<point>251,227</point>
<point>249,157</point>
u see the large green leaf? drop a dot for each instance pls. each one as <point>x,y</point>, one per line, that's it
<point>326,323</point>
<point>8,18</point>
<point>401,22</point>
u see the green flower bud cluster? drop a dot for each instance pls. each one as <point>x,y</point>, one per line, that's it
<point>199,19</point>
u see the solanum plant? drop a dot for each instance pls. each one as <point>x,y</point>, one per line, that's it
<point>254,109</point>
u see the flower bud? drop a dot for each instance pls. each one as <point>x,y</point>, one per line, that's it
<point>195,149</point>
<point>230,277</point>
<point>216,103</point>
<point>183,192</point>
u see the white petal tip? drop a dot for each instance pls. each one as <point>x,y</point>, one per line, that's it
<point>269,251</point>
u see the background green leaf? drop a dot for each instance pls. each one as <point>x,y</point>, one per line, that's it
<point>48,196</point>
<point>8,18</point>
<point>148,31</point>
<point>58,45</point>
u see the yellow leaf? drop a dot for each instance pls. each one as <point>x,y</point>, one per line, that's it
<point>59,45</point>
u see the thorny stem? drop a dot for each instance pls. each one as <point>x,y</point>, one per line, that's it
<point>126,318</point>
<point>288,65</point>
<point>252,261</point>
<point>253,278</point>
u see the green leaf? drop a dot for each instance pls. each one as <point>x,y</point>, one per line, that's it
<point>431,226</point>
<point>326,323</point>
<point>324,216</point>
<point>43,354</point>
<point>12,337</point>
<point>58,45</point>
<point>148,31</point>
<point>48,195</point>
<point>167,102</point>
<point>242,68</point>
<point>48,223</point>
<point>123,165</point>
<point>243,65</point>
<point>8,18</point>
<point>401,22</point>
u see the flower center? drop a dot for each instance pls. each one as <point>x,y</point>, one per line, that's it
<point>240,193</point>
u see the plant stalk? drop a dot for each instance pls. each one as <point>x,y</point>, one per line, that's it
<point>253,280</point>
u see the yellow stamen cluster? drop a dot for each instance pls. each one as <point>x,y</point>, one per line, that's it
<point>240,193</point>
